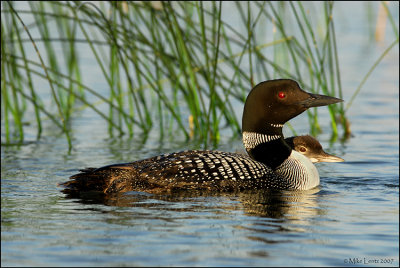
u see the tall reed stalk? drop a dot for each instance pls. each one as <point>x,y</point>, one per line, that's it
<point>173,66</point>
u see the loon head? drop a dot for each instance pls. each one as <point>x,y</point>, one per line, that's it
<point>272,103</point>
<point>268,107</point>
<point>311,148</point>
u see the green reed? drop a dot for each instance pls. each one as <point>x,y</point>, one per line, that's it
<point>177,67</point>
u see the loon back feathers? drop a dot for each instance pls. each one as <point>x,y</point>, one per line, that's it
<point>202,170</point>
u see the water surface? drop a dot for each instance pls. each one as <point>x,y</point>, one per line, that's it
<point>351,219</point>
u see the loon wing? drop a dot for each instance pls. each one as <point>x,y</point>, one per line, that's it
<point>207,170</point>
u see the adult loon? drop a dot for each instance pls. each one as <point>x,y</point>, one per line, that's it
<point>271,164</point>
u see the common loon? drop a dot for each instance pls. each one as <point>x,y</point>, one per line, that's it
<point>271,164</point>
<point>310,147</point>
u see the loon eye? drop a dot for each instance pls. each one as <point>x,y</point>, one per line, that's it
<point>302,149</point>
<point>281,95</point>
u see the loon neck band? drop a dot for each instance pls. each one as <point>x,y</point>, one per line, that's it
<point>252,139</point>
<point>276,125</point>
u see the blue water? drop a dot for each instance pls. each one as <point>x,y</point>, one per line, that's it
<point>351,219</point>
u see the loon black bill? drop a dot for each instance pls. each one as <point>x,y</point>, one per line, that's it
<point>316,100</point>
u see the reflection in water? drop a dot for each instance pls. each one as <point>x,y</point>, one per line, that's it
<point>281,204</point>
<point>294,211</point>
<point>289,205</point>
<point>260,216</point>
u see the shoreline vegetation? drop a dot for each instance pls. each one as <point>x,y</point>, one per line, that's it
<point>173,66</point>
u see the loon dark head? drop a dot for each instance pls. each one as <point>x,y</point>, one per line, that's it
<point>268,107</point>
<point>275,102</point>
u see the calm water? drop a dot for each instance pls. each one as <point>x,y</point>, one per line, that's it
<point>351,219</point>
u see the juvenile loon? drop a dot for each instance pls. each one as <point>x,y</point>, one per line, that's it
<point>311,148</point>
<point>271,164</point>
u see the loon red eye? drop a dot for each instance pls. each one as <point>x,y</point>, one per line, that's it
<point>302,149</point>
<point>281,95</point>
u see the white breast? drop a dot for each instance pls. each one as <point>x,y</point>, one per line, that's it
<point>299,172</point>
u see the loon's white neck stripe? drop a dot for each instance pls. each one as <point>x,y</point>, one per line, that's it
<point>276,125</point>
<point>252,139</point>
